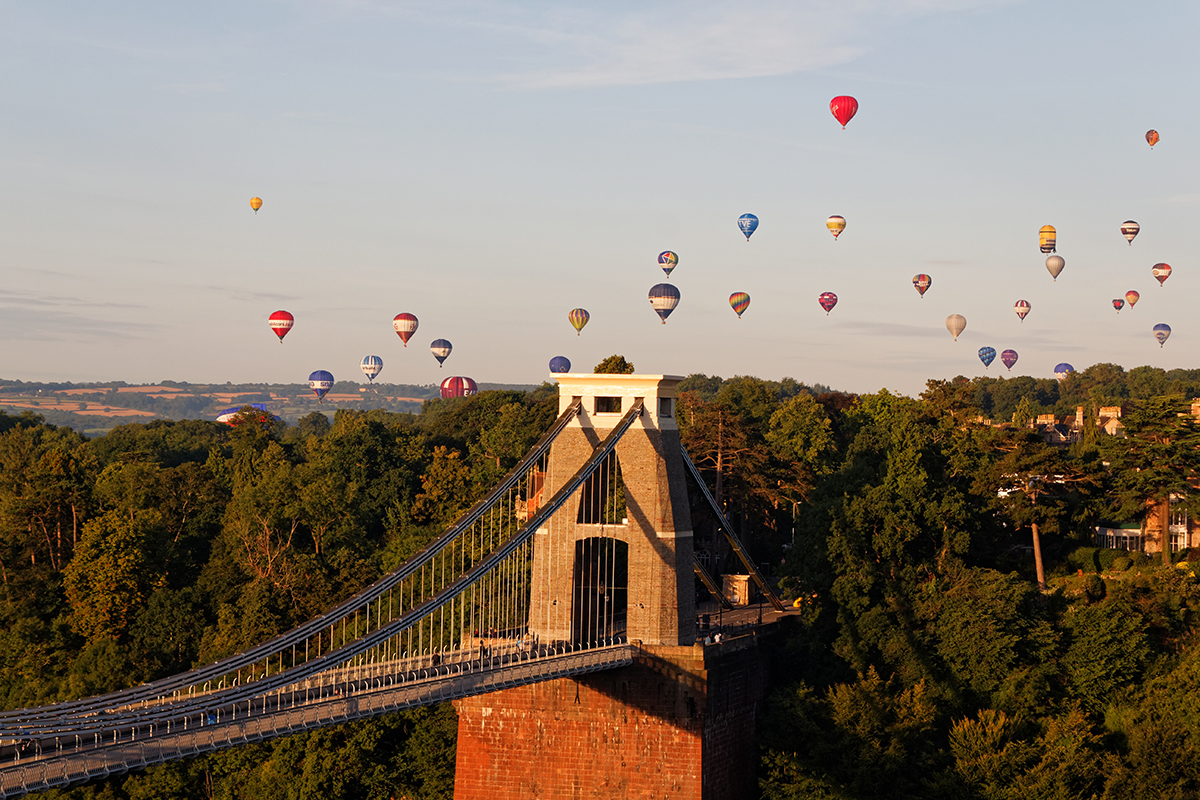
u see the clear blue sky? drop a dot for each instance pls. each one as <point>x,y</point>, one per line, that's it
<point>489,166</point>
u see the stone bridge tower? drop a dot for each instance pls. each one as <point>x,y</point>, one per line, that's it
<point>615,563</point>
<point>626,538</point>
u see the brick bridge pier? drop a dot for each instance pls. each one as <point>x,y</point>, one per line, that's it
<point>616,562</point>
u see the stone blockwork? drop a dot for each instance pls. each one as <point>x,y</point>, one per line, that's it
<point>677,724</point>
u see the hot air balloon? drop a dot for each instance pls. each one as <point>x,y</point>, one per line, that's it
<point>740,301</point>
<point>1022,308</point>
<point>987,355</point>
<point>1161,272</point>
<point>371,366</point>
<point>1118,304</point>
<point>748,223</point>
<point>827,300</point>
<point>663,299</point>
<point>1008,358</point>
<point>956,324</point>
<point>1063,370</point>
<point>405,325</point>
<point>836,225</point>
<point>441,350</point>
<point>578,317</point>
<point>922,282</point>
<point>1132,297</point>
<point>844,107</point>
<point>560,364</point>
<point>1129,229</point>
<point>1162,331</point>
<point>1047,237</point>
<point>281,322</point>
<point>668,261</point>
<point>1152,137</point>
<point>458,386</point>
<point>1055,264</point>
<point>320,382</point>
<point>256,203</point>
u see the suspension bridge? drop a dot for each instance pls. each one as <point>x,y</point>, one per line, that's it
<point>579,561</point>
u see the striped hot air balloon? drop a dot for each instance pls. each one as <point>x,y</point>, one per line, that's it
<point>663,299</point>
<point>1022,308</point>
<point>281,322</point>
<point>1129,229</point>
<point>1047,238</point>
<point>922,283</point>
<point>578,317</point>
<point>836,225</point>
<point>1161,272</point>
<point>458,386</point>
<point>371,366</point>
<point>827,300</point>
<point>405,326</point>
<point>740,301</point>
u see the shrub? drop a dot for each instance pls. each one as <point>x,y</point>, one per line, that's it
<point>1121,563</point>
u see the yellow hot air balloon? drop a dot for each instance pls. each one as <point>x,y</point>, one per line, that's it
<point>256,203</point>
<point>1047,236</point>
<point>836,225</point>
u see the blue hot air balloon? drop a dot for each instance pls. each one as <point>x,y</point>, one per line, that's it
<point>1162,332</point>
<point>987,355</point>
<point>320,382</point>
<point>371,366</point>
<point>748,223</point>
<point>441,350</point>
<point>663,299</point>
<point>560,364</point>
<point>1063,370</point>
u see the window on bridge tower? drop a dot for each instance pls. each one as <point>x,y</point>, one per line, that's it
<point>602,496</point>
<point>608,405</point>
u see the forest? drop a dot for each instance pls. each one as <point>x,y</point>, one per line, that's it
<point>930,662</point>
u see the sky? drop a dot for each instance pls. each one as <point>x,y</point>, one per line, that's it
<point>489,166</point>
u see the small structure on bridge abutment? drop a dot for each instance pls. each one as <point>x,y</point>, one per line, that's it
<point>616,561</point>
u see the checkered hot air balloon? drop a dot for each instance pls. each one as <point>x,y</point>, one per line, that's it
<point>1161,272</point>
<point>827,300</point>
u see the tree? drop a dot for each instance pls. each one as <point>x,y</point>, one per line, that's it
<point>614,365</point>
<point>1157,463</point>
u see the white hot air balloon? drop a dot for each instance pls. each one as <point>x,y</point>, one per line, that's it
<point>956,324</point>
<point>1055,264</point>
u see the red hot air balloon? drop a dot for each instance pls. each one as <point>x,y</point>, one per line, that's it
<point>1022,308</point>
<point>1161,272</point>
<point>405,326</point>
<point>1132,297</point>
<point>827,300</point>
<point>281,322</point>
<point>844,107</point>
<point>1152,137</point>
<point>458,387</point>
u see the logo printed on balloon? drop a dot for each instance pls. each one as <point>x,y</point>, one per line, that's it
<point>320,382</point>
<point>1118,304</point>
<point>748,223</point>
<point>1061,371</point>
<point>371,366</point>
<point>922,283</point>
<point>458,386</point>
<point>281,322</point>
<point>405,326</point>
<point>1022,308</point>
<point>668,261</point>
<point>1008,358</point>
<point>1161,272</point>
<point>1129,229</point>
<point>1162,331</point>
<point>560,364</point>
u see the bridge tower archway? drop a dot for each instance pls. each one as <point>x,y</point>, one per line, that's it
<point>600,593</point>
